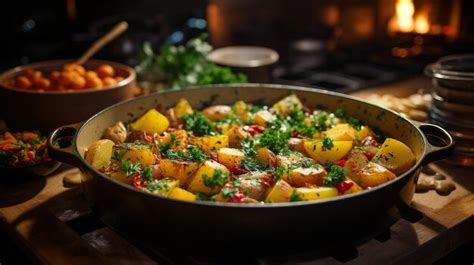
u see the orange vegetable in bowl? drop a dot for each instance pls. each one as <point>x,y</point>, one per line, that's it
<point>72,76</point>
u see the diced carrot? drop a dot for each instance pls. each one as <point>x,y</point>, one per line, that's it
<point>40,145</point>
<point>29,136</point>
<point>11,148</point>
<point>4,142</point>
<point>30,154</point>
<point>9,136</point>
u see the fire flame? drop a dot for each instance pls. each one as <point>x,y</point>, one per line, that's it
<point>403,20</point>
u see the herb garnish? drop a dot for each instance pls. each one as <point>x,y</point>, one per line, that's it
<point>336,174</point>
<point>339,113</point>
<point>230,189</point>
<point>192,153</point>
<point>280,171</point>
<point>328,143</point>
<point>198,124</point>
<point>249,162</point>
<point>147,174</point>
<point>276,138</point>
<point>128,167</point>
<point>167,146</point>
<point>355,123</point>
<point>217,179</point>
<point>294,197</point>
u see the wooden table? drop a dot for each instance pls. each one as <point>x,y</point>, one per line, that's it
<point>54,225</point>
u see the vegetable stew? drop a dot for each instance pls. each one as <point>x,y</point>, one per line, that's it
<point>22,149</point>
<point>248,153</point>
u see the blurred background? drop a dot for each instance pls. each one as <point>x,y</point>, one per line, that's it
<point>338,45</point>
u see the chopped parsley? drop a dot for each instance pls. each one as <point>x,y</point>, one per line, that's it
<point>249,162</point>
<point>127,166</point>
<point>161,185</point>
<point>229,119</point>
<point>202,197</point>
<point>328,143</point>
<point>280,171</point>
<point>167,146</point>
<point>147,174</point>
<point>229,190</point>
<point>217,179</point>
<point>321,121</point>
<point>198,124</point>
<point>339,113</point>
<point>248,147</point>
<point>336,174</point>
<point>355,123</point>
<point>192,153</point>
<point>294,197</point>
<point>276,139</point>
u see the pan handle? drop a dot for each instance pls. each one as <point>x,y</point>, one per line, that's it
<point>440,143</point>
<point>61,143</point>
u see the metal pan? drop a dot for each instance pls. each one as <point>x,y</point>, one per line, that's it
<point>158,221</point>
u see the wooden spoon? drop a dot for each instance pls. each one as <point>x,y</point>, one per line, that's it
<point>98,44</point>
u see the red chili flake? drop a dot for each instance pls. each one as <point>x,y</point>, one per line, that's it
<point>137,181</point>
<point>295,134</point>
<point>368,154</point>
<point>214,157</point>
<point>238,170</point>
<point>344,186</point>
<point>341,162</point>
<point>253,129</point>
<point>238,197</point>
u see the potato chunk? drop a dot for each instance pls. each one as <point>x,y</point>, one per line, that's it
<point>117,132</point>
<point>263,117</point>
<point>300,176</point>
<point>207,170</point>
<point>210,143</point>
<point>139,153</point>
<point>181,108</point>
<point>364,132</point>
<point>310,194</point>
<point>316,150</point>
<point>99,153</point>
<point>181,194</point>
<point>355,187</point>
<point>395,156</point>
<point>355,162</point>
<point>266,157</point>
<point>239,108</point>
<point>280,192</point>
<point>180,170</point>
<point>151,122</point>
<point>342,132</point>
<point>163,186</point>
<point>288,104</point>
<point>254,188</point>
<point>236,134</point>
<point>230,157</point>
<point>217,112</point>
<point>121,176</point>
<point>373,175</point>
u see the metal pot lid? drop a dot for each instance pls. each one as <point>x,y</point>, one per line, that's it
<point>454,67</point>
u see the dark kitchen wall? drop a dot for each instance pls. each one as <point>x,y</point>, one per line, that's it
<point>43,30</point>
